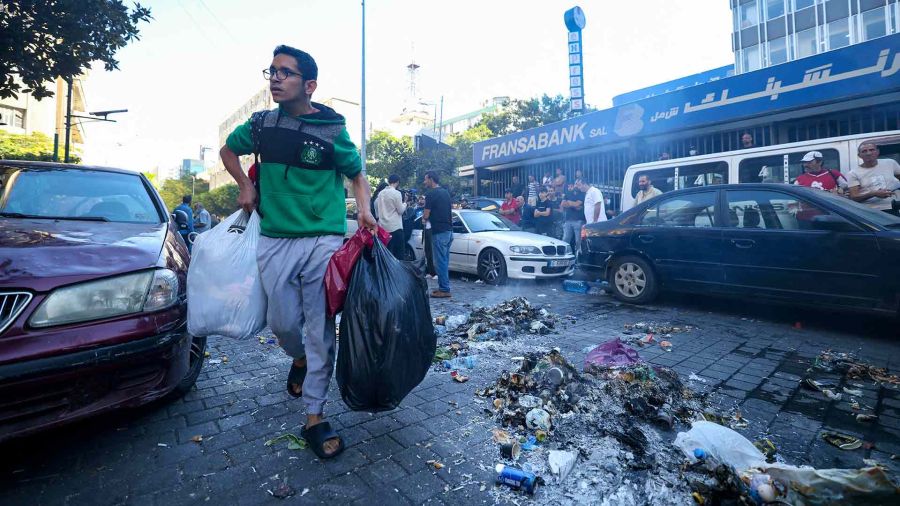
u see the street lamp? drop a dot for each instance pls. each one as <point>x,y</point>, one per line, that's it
<point>94,116</point>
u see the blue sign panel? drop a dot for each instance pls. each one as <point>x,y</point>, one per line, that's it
<point>674,85</point>
<point>863,69</point>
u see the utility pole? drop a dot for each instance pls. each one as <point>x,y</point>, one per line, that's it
<point>68,118</point>
<point>362,107</point>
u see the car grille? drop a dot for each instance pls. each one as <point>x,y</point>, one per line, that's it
<point>554,250</point>
<point>11,306</point>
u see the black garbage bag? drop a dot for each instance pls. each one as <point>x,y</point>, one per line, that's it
<point>387,339</point>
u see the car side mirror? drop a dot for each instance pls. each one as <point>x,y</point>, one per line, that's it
<point>831,223</point>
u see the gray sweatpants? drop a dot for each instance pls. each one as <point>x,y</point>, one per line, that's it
<point>292,273</point>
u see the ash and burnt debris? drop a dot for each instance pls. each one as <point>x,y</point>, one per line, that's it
<point>507,319</point>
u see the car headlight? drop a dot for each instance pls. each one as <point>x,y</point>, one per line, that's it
<point>525,250</point>
<point>106,298</point>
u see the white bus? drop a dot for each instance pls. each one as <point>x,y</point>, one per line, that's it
<point>769,164</point>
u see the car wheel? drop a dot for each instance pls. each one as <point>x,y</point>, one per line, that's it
<point>195,364</point>
<point>492,267</point>
<point>633,280</point>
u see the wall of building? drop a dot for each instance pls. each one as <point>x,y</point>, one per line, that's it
<point>770,32</point>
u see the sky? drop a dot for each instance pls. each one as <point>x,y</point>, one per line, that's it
<point>199,60</point>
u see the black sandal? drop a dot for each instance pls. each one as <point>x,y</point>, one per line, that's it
<point>317,435</point>
<point>296,377</point>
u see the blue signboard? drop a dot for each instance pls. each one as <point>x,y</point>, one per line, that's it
<point>674,85</point>
<point>574,19</point>
<point>863,69</point>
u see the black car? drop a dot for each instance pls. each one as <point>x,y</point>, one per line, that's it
<point>769,241</point>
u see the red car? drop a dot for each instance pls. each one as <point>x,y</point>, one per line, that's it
<point>93,311</point>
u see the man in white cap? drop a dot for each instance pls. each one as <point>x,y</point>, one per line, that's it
<point>816,176</point>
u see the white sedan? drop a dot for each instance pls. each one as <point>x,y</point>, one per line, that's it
<point>494,249</point>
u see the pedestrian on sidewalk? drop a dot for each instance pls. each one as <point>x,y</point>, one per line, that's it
<point>439,218</point>
<point>390,208</point>
<point>573,209</point>
<point>203,219</point>
<point>306,152</point>
<point>510,208</point>
<point>594,205</point>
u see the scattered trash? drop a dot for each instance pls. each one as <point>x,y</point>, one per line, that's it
<point>571,285</point>
<point>798,325</point>
<point>510,451</point>
<point>516,479</point>
<point>440,320</point>
<point>305,491</point>
<point>767,447</point>
<point>719,445</point>
<point>866,418</point>
<point>502,321</point>
<point>162,445</point>
<point>610,354</point>
<point>293,442</point>
<point>853,368</point>
<point>842,441</point>
<point>538,418</point>
<point>530,444</point>
<point>561,463</point>
<point>435,464</point>
<point>853,392</point>
<point>502,437</point>
<point>831,395</point>
<point>283,491</point>
<point>455,321</point>
<point>468,362</point>
<point>665,345</point>
<point>215,361</point>
<point>197,439</point>
<point>530,401</point>
<point>442,353</point>
<point>656,328</point>
<point>206,354</point>
<point>457,377</point>
<point>694,377</point>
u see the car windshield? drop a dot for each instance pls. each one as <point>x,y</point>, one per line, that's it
<point>487,222</point>
<point>75,194</point>
<point>865,212</point>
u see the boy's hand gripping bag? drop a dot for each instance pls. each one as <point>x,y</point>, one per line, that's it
<point>225,296</point>
<point>387,338</point>
<point>337,274</point>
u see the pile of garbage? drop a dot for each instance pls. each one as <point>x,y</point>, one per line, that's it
<point>664,329</point>
<point>853,368</point>
<point>505,320</point>
<point>733,470</point>
<point>591,434</point>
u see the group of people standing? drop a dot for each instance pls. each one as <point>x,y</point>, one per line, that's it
<point>395,212</point>
<point>538,207</point>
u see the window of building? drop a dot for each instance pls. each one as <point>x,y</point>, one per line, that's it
<point>18,119</point>
<point>873,24</point>
<point>774,8</point>
<point>749,15</point>
<point>807,43</point>
<point>750,59</point>
<point>802,4</point>
<point>839,33</point>
<point>778,51</point>
<point>770,169</point>
<point>696,210</point>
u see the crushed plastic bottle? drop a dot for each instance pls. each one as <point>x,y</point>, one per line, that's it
<point>571,285</point>
<point>467,362</point>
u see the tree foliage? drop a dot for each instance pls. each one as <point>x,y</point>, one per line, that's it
<point>386,155</point>
<point>173,190</point>
<point>42,40</point>
<point>36,146</point>
<point>222,201</point>
<point>521,115</point>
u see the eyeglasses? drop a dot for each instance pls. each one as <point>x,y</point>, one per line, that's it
<point>279,74</point>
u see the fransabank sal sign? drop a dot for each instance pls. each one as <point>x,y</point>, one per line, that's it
<point>862,69</point>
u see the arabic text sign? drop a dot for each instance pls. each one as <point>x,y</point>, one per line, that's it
<point>864,69</point>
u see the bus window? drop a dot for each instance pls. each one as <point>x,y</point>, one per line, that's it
<point>889,149</point>
<point>770,168</point>
<point>689,176</point>
<point>662,179</point>
<point>703,174</point>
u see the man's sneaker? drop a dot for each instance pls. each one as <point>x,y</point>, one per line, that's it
<point>431,276</point>
<point>440,295</point>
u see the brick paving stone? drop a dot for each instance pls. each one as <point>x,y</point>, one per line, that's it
<point>422,485</point>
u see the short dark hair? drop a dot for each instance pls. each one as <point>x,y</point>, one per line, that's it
<point>186,199</point>
<point>433,176</point>
<point>393,178</point>
<point>509,191</point>
<point>305,63</point>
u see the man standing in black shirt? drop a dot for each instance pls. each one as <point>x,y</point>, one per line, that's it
<point>543,213</point>
<point>573,210</point>
<point>438,218</point>
<point>516,187</point>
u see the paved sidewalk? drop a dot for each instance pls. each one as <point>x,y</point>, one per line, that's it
<point>747,357</point>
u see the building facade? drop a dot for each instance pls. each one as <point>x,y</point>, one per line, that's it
<point>770,32</point>
<point>26,115</point>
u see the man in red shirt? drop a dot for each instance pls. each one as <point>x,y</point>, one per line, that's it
<point>816,176</point>
<point>510,208</point>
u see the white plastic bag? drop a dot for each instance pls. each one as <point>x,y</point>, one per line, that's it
<point>225,296</point>
<point>720,443</point>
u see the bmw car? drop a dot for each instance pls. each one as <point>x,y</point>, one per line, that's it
<point>93,310</point>
<point>495,250</point>
<point>775,242</point>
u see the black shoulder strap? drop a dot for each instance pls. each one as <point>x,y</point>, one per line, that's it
<point>256,125</point>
